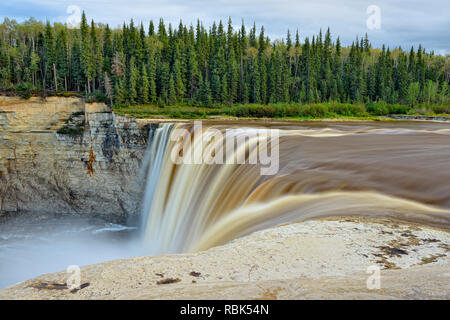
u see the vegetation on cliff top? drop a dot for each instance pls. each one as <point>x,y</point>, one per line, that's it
<point>283,110</point>
<point>193,66</point>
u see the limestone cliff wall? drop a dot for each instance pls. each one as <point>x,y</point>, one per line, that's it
<point>61,155</point>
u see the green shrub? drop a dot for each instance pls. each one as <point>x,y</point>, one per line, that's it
<point>379,108</point>
<point>314,110</point>
<point>346,109</point>
<point>96,96</point>
<point>441,109</point>
<point>24,90</point>
<point>398,109</point>
<point>431,109</point>
<point>292,111</point>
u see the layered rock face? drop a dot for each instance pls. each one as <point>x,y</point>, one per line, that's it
<point>61,155</point>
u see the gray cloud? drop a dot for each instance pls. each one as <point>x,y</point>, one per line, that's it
<point>403,23</point>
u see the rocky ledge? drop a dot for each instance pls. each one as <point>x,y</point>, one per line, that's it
<point>324,259</point>
<point>62,155</point>
<point>419,117</point>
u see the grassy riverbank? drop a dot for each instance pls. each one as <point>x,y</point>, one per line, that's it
<point>330,110</point>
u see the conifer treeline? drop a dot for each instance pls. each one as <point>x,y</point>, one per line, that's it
<point>166,65</point>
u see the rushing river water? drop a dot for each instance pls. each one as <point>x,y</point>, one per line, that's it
<point>396,169</point>
<point>393,169</point>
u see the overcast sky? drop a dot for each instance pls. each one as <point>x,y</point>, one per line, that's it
<point>402,23</point>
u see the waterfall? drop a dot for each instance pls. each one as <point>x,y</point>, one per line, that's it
<point>193,205</point>
<point>152,164</point>
<point>181,200</point>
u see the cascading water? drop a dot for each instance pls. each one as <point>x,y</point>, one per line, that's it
<point>180,199</point>
<point>197,205</point>
<point>152,164</point>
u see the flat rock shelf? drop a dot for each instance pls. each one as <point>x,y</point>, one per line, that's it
<point>320,259</point>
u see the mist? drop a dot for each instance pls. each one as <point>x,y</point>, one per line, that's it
<point>34,246</point>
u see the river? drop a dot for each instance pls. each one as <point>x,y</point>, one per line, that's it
<point>391,169</point>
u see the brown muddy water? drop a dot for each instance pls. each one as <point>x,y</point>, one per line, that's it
<point>389,169</point>
<point>393,169</point>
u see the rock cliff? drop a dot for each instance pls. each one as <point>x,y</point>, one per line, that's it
<point>62,155</point>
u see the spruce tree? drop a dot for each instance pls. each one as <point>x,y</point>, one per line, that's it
<point>214,65</point>
<point>144,87</point>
